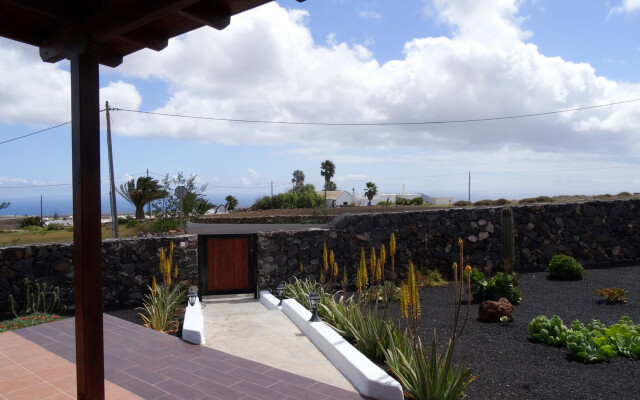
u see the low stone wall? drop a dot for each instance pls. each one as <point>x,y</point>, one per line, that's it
<point>128,265</point>
<point>596,233</point>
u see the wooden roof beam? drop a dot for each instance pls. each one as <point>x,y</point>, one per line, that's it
<point>206,13</point>
<point>110,23</point>
<point>148,38</point>
<point>76,43</point>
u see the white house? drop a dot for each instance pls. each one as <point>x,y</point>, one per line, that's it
<point>337,198</point>
<point>362,200</point>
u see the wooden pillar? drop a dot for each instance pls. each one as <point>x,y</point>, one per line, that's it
<point>87,235</point>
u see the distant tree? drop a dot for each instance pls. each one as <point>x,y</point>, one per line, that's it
<point>329,186</point>
<point>298,179</point>
<point>232,202</point>
<point>139,193</point>
<point>327,169</point>
<point>194,203</point>
<point>4,205</point>
<point>370,191</point>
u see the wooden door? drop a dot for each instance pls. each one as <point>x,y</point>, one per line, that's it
<point>228,264</point>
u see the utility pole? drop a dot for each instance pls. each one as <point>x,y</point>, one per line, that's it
<point>41,220</point>
<point>271,190</point>
<point>149,205</point>
<point>469,186</point>
<point>112,191</point>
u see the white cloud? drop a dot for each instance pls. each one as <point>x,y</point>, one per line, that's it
<point>627,7</point>
<point>266,66</point>
<point>6,180</point>
<point>253,173</point>
<point>31,92</point>
<point>369,14</point>
<point>245,181</point>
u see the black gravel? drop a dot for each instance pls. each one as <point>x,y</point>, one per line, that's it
<point>510,365</point>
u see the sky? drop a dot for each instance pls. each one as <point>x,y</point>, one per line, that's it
<point>418,93</point>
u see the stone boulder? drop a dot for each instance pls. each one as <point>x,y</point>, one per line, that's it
<point>491,311</point>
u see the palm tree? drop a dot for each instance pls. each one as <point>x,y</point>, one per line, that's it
<point>4,204</point>
<point>327,169</point>
<point>298,179</point>
<point>139,193</point>
<point>232,202</point>
<point>371,191</point>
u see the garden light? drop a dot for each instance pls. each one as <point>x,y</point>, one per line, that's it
<point>192,297</point>
<point>281,288</point>
<point>314,300</point>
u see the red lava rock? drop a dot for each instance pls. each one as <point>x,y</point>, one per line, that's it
<point>492,310</point>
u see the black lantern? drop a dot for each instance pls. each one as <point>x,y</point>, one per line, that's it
<point>192,297</point>
<point>281,288</point>
<point>314,300</point>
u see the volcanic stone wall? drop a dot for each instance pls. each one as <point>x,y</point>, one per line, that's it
<point>127,264</point>
<point>596,233</point>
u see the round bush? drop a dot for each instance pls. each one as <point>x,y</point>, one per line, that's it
<point>565,267</point>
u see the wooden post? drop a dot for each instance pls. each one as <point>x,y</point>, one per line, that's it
<point>87,234</point>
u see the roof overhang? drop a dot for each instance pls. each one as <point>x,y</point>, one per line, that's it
<point>108,30</point>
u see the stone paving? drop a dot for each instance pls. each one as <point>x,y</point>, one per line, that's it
<point>39,363</point>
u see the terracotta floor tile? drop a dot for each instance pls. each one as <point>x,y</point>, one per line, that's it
<point>13,384</point>
<point>39,391</point>
<point>65,383</point>
<point>114,392</point>
<point>59,396</point>
<point>9,370</point>
<point>58,370</point>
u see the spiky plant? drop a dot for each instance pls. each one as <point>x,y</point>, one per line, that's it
<point>392,253</point>
<point>372,264</point>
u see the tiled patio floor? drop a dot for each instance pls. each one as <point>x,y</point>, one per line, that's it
<point>38,363</point>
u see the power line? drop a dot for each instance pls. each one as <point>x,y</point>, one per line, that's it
<point>40,131</point>
<point>454,121</point>
<point>35,133</point>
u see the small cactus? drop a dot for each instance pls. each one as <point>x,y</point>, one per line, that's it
<point>35,301</point>
<point>506,239</point>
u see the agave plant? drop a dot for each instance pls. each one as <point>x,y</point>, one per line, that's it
<point>159,307</point>
<point>428,376</point>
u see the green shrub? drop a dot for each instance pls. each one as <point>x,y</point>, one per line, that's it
<point>56,227</point>
<point>462,203</point>
<point>544,199</point>
<point>402,202</point>
<point>485,202</point>
<point>430,277</point>
<point>36,298</point>
<point>123,220</point>
<point>132,223</point>
<point>624,194</point>
<point>30,221</point>
<point>386,203</point>
<point>164,225</point>
<point>565,268</point>
<point>418,201</point>
<point>501,285</point>
<point>501,202</point>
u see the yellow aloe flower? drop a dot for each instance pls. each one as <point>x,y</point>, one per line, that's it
<point>154,287</point>
<point>392,245</point>
<point>324,257</point>
<point>372,262</point>
<point>331,258</point>
<point>301,267</point>
<point>345,278</point>
<point>379,271</point>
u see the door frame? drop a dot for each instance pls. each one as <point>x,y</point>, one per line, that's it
<point>203,283</point>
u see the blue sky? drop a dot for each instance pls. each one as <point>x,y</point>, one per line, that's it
<point>342,61</point>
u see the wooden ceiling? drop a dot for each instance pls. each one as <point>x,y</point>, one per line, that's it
<point>110,29</point>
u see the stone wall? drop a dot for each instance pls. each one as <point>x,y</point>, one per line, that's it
<point>128,265</point>
<point>596,233</point>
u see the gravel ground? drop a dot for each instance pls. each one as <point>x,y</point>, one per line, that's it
<point>509,365</point>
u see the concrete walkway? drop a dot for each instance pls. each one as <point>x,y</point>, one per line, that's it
<point>242,326</point>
